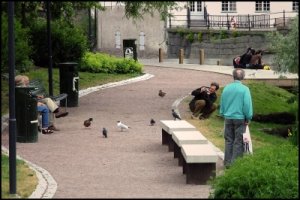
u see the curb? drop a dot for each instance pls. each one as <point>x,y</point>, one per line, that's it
<point>46,187</point>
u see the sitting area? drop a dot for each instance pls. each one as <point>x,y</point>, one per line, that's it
<point>40,90</point>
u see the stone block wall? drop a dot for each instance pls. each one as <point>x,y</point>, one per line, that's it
<point>223,50</point>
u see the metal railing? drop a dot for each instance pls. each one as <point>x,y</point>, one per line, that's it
<point>248,22</point>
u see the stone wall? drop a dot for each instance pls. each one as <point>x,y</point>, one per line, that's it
<point>222,50</point>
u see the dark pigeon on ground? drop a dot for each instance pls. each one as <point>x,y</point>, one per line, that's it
<point>161,93</point>
<point>175,115</point>
<point>87,122</point>
<point>152,122</point>
<point>104,132</point>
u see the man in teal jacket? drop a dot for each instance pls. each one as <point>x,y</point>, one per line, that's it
<point>236,108</point>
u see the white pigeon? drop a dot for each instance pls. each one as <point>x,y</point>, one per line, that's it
<point>122,126</point>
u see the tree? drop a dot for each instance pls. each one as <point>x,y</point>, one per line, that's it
<point>286,48</point>
<point>136,9</point>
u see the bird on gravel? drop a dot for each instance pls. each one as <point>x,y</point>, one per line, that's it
<point>104,132</point>
<point>122,126</point>
<point>161,93</point>
<point>87,122</point>
<point>175,115</point>
<point>152,122</point>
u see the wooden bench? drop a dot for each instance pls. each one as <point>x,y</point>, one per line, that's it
<point>40,90</point>
<point>171,125</point>
<point>185,137</point>
<point>199,162</point>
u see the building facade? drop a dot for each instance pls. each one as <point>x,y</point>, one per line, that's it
<point>151,33</point>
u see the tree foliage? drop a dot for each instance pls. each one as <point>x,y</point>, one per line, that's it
<point>26,11</point>
<point>286,48</point>
<point>136,9</point>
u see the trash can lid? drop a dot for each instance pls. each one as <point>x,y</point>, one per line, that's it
<point>68,63</point>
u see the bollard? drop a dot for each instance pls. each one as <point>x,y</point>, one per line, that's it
<point>181,53</point>
<point>160,55</point>
<point>201,56</point>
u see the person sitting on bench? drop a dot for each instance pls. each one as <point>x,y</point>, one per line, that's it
<point>22,80</point>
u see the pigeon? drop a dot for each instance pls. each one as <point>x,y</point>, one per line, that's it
<point>161,93</point>
<point>104,132</point>
<point>152,122</point>
<point>175,115</point>
<point>122,126</point>
<point>87,122</point>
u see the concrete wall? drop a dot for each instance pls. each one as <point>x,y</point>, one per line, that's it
<point>113,21</point>
<point>222,50</point>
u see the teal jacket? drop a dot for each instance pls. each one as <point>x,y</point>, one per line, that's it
<point>236,102</point>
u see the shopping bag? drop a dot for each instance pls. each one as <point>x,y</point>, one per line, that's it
<point>247,141</point>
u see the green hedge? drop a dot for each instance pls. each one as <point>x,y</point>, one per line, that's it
<point>22,47</point>
<point>271,172</point>
<point>68,42</point>
<point>99,62</point>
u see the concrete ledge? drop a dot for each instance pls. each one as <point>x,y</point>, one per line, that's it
<point>188,137</point>
<point>199,153</point>
<point>180,125</point>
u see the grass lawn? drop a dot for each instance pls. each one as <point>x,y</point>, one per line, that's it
<point>26,178</point>
<point>266,99</point>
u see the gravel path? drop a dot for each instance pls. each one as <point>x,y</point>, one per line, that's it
<point>129,164</point>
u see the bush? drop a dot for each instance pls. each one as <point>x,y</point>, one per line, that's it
<point>68,43</point>
<point>190,37</point>
<point>22,47</point>
<point>271,172</point>
<point>199,37</point>
<point>97,62</point>
<point>223,34</point>
<point>236,33</point>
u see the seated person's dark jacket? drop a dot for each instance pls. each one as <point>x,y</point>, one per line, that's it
<point>198,95</point>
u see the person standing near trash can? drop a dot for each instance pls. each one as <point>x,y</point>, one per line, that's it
<point>236,108</point>
<point>20,81</point>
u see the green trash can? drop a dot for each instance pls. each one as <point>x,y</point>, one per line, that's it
<point>26,115</point>
<point>69,83</point>
<point>129,49</point>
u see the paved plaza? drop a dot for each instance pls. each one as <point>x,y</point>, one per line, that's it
<point>78,162</point>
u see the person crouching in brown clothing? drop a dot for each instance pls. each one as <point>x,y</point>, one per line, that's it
<point>202,105</point>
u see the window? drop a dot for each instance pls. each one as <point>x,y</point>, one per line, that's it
<point>195,6</point>
<point>229,6</point>
<point>118,39</point>
<point>295,6</point>
<point>262,6</point>
<point>142,41</point>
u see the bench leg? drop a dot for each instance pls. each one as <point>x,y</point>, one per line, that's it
<point>66,102</point>
<point>171,144</point>
<point>199,173</point>
<point>176,150</point>
<point>184,165</point>
<point>180,159</point>
<point>165,137</point>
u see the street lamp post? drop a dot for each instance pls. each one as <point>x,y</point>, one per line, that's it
<point>12,112</point>
<point>50,78</point>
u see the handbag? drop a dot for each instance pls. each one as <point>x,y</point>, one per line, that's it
<point>247,141</point>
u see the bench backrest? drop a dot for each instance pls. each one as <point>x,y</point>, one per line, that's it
<point>39,87</point>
